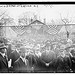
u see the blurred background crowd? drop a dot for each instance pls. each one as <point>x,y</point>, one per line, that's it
<point>47,56</point>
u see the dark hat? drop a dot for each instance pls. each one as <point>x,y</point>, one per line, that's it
<point>2,45</point>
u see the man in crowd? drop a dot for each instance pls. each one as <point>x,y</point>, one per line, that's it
<point>60,63</point>
<point>32,60</point>
<point>9,50</point>
<point>63,62</point>
<point>44,60</point>
<point>21,64</point>
<point>3,59</point>
<point>72,56</point>
<point>67,61</point>
<point>40,65</point>
<point>14,55</point>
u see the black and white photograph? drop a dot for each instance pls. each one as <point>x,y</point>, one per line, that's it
<point>37,38</point>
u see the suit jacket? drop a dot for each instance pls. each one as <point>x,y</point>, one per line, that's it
<point>40,66</point>
<point>14,56</point>
<point>20,66</point>
<point>32,60</point>
<point>9,50</point>
<point>60,64</point>
<point>63,64</point>
<point>3,64</point>
<point>73,63</point>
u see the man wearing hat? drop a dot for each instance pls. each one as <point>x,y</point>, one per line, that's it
<point>3,60</point>
<point>21,64</point>
<point>72,56</point>
<point>32,60</point>
<point>13,56</point>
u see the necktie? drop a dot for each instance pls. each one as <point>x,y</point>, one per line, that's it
<point>5,57</point>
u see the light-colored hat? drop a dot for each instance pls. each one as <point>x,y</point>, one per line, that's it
<point>22,49</point>
<point>2,45</point>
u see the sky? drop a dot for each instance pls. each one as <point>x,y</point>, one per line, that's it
<point>49,12</point>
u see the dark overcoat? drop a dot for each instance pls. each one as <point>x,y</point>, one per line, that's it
<point>3,64</point>
<point>14,55</point>
<point>20,66</point>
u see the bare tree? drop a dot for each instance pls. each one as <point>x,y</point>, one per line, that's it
<point>5,21</point>
<point>22,21</point>
<point>26,18</point>
<point>1,23</point>
<point>1,16</point>
<point>66,21</point>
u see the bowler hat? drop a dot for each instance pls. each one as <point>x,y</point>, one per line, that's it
<point>2,45</point>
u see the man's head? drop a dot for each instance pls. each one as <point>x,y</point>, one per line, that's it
<point>72,52</point>
<point>22,52</point>
<point>2,48</point>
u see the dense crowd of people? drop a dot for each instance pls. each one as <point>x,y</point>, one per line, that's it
<point>52,57</point>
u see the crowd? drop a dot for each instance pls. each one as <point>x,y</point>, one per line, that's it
<point>52,57</point>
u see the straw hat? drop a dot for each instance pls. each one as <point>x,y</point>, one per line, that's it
<point>22,49</point>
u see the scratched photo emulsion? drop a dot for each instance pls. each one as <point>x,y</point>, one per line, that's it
<point>37,38</point>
